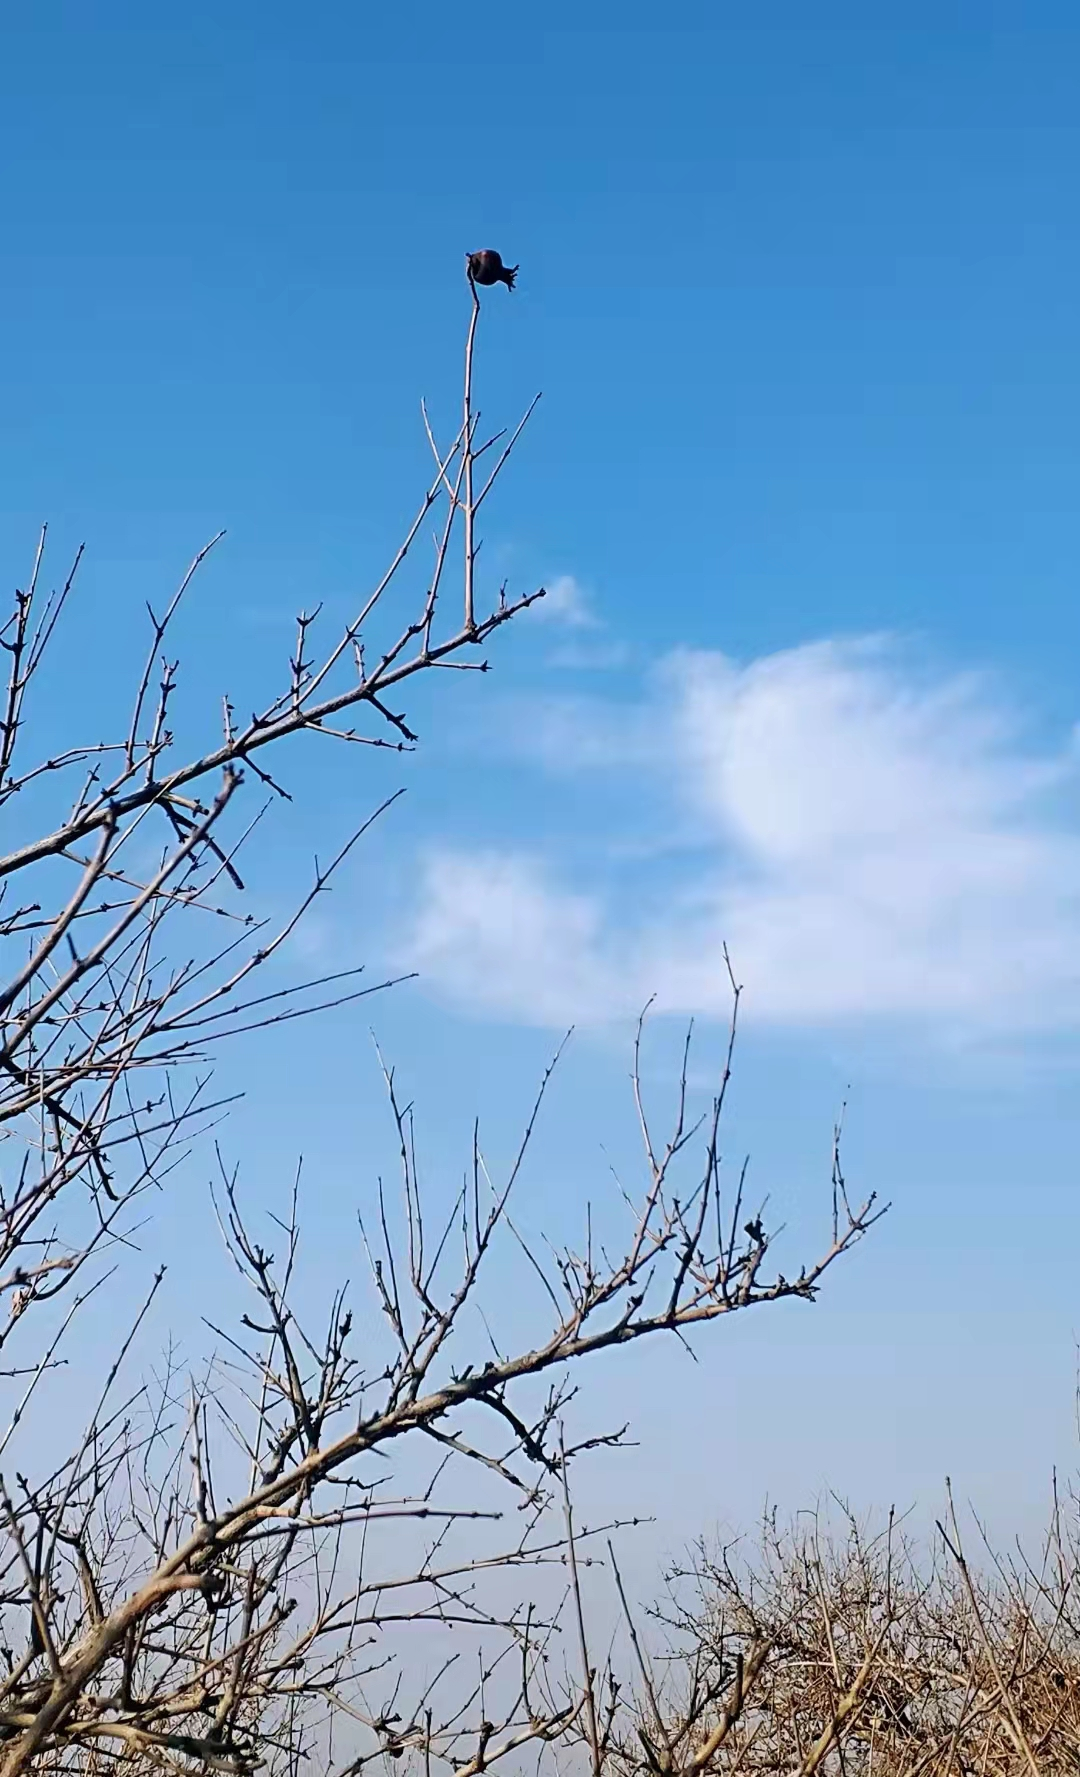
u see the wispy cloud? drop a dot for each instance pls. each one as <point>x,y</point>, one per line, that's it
<point>496,936</point>
<point>870,843</point>
<point>567,603</point>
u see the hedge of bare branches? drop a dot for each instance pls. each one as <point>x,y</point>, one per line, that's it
<point>854,1652</point>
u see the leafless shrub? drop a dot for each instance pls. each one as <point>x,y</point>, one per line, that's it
<point>852,1653</point>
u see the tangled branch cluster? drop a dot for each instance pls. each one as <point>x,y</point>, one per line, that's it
<point>234,1572</point>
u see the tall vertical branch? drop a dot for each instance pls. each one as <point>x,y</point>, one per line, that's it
<point>588,1674</point>
<point>468,438</point>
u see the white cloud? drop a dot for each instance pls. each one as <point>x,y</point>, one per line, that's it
<point>870,843</point>
<point>492,933</point>
<point>566,602</point>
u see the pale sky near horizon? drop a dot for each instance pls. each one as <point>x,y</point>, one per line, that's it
<point>801,295</point>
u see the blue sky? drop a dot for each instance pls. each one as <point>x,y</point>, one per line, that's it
<point>800,288</point>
